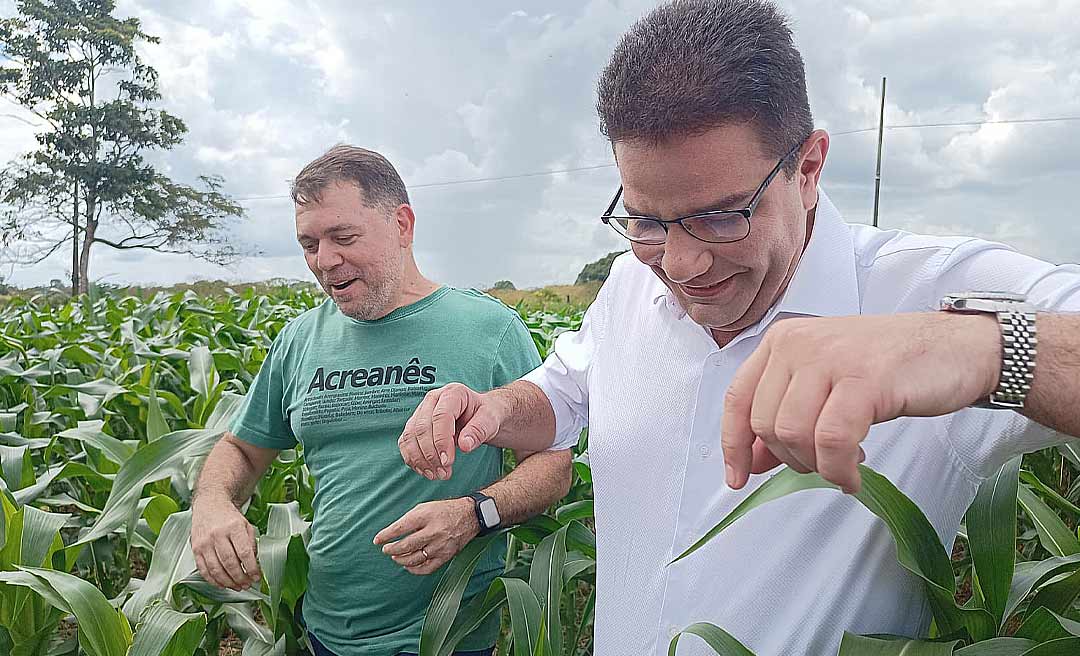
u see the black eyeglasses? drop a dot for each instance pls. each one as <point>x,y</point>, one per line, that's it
<point>714,227</point>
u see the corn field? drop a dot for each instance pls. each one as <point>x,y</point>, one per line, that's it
<point>109,405</point>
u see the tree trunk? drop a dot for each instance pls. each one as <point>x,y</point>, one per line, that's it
<point>88,241</point>
<point>75,241</point>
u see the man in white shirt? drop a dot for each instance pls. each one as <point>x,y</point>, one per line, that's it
<point>751,326</point>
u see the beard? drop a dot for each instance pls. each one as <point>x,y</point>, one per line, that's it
<point>371,297</point>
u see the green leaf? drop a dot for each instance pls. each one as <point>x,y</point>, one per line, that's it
<point>1029,576</point>
<point>70,469</point>
<point>151,462</point>
<point>918,548</point>
<point>577,510</point>
<point>31,537</point>
<point>997,647</point>
<point>166,632</point>
<point>284,563</point>
<point>1054,536</point>
<point>856,645</point>
<point>525,615</point>
<point>1043,625</point>
<point>783,483</point>
<point>991,525</point>
<point>100,630</point>
<point>536,529</point>
<point>584,620</point>
<point>156,426</point>
<point>15,466</point>
<point>203,373</point>
<point>546,580</point>
<point>1071,451</point>
<point>1059,647</point>
<point>241,620</point>
<point>198,585</point>
<point>1058,595</point>
<point>719,640</point>
<point>446,600</point>
<point>90,432</point>
<point>1050,493</point>
<point>172,562</point>
<point>157,509</point>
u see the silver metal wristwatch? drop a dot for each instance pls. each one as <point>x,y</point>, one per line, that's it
<point>1018,341</point>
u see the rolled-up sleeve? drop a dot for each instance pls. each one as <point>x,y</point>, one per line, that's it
<point>979,265</point>
<point>564,375</point>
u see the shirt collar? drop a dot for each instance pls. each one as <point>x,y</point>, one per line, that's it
<point>824,283</point>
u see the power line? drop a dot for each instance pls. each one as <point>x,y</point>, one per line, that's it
<point>1055,119</point>
<point>536,174</point>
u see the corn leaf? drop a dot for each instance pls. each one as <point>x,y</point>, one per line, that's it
<point>719,640</point>
<point>101,632</point>
<point>856,645</point>
<point>991,526</point>
<point>918,548</point>
<point>1054,536</point>
<point>153,461</point>
<point>1029,576</point>
<point>997,647</point>
<point>446,600</point>
<point>166,632</point>
<point>546,581</point>
<point>173,561</point>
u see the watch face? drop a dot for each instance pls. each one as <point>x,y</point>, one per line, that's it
<point>490,513</point>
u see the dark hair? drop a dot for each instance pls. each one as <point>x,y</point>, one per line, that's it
<point>371,172</point>
<point>692,65</point>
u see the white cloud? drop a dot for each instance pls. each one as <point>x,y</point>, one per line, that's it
<point>465,90</point>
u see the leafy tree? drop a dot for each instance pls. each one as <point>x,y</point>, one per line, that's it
<point>75,66</point>
<point>504,284</point>
<point>598,270</point>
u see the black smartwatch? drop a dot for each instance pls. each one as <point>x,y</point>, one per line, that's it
<point>487,515</point>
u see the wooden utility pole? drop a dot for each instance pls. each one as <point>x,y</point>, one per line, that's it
<point>880,138</point>
<point>75,239</point>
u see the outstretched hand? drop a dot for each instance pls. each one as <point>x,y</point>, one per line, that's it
<point>809,394</point>
<point>449,418</point>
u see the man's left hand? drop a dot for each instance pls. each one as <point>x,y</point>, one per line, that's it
<point>809,393</point>
<point>429,535</point>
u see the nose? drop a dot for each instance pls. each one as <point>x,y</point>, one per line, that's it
<point>684,257</point>
<point>328,256</point>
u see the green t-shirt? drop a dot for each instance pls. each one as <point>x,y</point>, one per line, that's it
<point>344,389</point>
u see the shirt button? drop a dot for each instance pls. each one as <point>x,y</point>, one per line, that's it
<point>705,451</point>
<point>672,630</point>
<point>718,362</point>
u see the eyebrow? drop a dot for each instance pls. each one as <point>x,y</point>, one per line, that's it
<point>728,202</point>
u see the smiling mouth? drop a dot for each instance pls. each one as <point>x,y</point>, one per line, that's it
<point>708,290</point>
<point>342,286</point>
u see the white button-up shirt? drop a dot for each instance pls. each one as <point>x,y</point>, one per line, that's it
<point>791,576</point>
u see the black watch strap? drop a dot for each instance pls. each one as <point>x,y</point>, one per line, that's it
<point>478,498</point>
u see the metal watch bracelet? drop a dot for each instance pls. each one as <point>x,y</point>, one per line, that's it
<point>1018,348</point>
<point>1016,319</point>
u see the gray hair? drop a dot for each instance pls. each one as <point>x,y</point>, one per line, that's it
<point>371,172</point>
<point>693,65</point>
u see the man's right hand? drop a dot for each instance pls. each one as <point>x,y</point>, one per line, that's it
<point>224,544</point>
<point>449,418</point>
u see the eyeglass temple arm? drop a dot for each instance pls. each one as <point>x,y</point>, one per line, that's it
<point>614,202</point>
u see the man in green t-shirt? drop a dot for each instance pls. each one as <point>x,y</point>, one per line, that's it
<point>342,379</point>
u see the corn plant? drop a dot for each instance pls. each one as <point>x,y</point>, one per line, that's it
<point>1025,607</point>
<point>108,405</point>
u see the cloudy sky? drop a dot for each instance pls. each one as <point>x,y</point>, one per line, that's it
<point>460,91</point>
